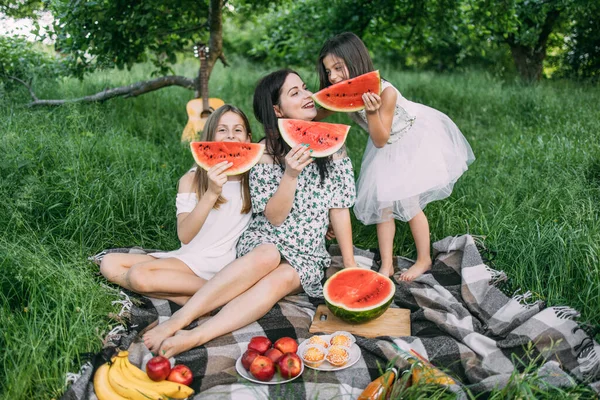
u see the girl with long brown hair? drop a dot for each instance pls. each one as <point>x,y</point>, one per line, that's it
<point>213,210</point>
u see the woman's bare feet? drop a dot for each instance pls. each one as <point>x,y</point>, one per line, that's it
<point>418,269</point>
<point>386,270</point>
<point>182,341</point>
<point>154,337</point>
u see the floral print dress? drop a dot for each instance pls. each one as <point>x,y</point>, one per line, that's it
<point>301,237</point>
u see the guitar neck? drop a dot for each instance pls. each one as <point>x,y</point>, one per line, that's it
<point>204,80</point>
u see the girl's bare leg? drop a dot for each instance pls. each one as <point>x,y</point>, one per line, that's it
<point>167,278</point>
<point>419,227</point>
<point>246,308</point>
<point>230,282</point>
<point>385,236</point>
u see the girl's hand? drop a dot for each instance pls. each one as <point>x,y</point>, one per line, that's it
<point>217,177</point>
<point>372,102</point>
<point>297,158</point>
<point>330,234</point>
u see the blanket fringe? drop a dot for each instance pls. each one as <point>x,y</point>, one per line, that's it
<point>72,377</point>
<point>126,304</point>
<point>523,299</point>
<point>496,276</point>
<point>97,258</point>
<point>566,312</point>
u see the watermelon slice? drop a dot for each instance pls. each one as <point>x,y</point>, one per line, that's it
<point>243,155</point>
<point>323,138</point>
<point>358,295</point>
<point>346,96</point>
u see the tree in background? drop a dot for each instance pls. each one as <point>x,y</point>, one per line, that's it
<point>440,34</point>
<point>431,34</point>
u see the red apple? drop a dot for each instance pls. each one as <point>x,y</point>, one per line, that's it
<point>158,368</point>
<point>260,344</point>
<point>181,374</point>
<point>262,368</point>
<point>286,345</point>
<point>273,354</point>
<point>248,357</point>
<point>290,365</point>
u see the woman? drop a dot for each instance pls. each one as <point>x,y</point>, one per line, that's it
<point>293,199</point>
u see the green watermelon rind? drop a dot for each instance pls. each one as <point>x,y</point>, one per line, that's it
<point>287,137</point>
<point>230,172</point>
<point>329,107</point>
<point>360,317</point>
<point>363,315</point>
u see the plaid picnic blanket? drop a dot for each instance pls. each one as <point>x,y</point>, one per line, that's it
<point>460,320</point>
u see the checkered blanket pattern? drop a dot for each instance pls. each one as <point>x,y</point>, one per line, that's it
<point>461,321</point>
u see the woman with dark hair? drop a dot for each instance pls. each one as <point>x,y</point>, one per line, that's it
<point>293,198</point>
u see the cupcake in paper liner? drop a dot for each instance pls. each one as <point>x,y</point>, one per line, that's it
<point>342,338</point>
<point>338,355</point>
<point>318,340</point>
<point>313,355</point>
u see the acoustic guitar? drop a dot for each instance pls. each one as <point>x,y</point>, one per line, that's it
<point>198,110</point>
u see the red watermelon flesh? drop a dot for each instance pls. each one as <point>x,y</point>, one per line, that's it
<point>323,138</point>
<point>358,295</point>
<point>346,96</point>
<point>243,155</point>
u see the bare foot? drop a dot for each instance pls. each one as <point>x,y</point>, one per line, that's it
<point>182,341</point>
<point>386,270</point>
<point>154,337</point>
<point>418,269</point>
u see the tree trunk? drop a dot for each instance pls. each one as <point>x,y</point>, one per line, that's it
<point>215,42</point>
<point>529,60</point>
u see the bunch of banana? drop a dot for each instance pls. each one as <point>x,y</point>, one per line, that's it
<point>122,380</point>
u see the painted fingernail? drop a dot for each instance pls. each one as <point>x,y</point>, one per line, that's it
<point>164,352</point>
<point>307,145</point>
<point>310,150</point>
<point>152,354</point>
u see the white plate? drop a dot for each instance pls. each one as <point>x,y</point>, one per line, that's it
<point>275,380</point>
<point>354,356</point>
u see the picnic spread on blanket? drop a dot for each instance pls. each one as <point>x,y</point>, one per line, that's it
<point>460,322</point>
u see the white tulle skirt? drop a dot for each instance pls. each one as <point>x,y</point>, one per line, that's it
<point>400,179</point>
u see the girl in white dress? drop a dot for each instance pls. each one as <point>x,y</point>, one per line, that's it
<point>414,155</point>
<point>213,210</point>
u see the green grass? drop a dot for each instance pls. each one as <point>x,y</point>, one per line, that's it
<point>81,178</point>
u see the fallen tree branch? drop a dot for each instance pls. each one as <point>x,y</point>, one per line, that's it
<point>132,90</point>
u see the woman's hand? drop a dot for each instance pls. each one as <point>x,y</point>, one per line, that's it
<point>297,158</point>
<point>217,177</point>
<point>372,102</point>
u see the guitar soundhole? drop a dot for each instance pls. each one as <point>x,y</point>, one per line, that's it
<point>206,113</point>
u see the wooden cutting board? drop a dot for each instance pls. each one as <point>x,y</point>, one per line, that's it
<point>394,322</point>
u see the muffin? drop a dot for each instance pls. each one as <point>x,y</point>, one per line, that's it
<point>338,355</point>
<point>314,355</point>
<point>341,339</point>
<point>318,340</point>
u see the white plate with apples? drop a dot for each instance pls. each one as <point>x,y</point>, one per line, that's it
<point>275,380</point>
<point>270,363</point>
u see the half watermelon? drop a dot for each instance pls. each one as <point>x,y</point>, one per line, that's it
<point>346,96</point>
<point>358,295</point>
<point>243,155</point>
<point>323,138</point>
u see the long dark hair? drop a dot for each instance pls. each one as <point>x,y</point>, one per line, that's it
<point>349,48</point>
<point>267,95</point>
<point>208,135</point>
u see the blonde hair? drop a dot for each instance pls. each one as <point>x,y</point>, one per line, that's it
<point>208,135</point>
